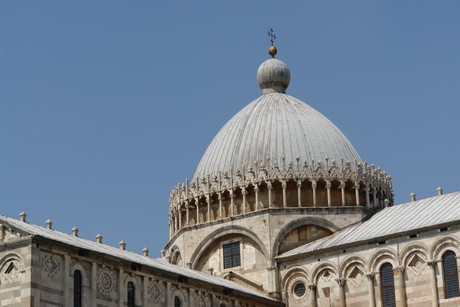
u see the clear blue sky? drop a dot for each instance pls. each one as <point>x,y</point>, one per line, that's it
<point>106,105</point>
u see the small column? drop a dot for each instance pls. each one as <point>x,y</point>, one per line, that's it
<point>187,213</point>
<point>197,202</point>
<point>399,272</point>
<point>219,197</point>
<point>179,216</point>
<point>312,289</point>
<point>370,286</point>
<point>328,187</point>
<point>208,201</point>
<point>273,274</point>
<point>93,283</point>
<point>270,188</point>
<point>368,200</point>
<point>171,227</point>
<point>434,284</point>
<point>299,193</point>
<point>175,220</point>
<point>313,186</point>
<point>256,191</point>
<point>357,193</point>
<point>374,197</point>
<point>284,186</point>
<point>145,290</point>
<point>2,233</point>
<point>121,293</point>
<point>167,294</point>
<point>232,203</point>
<point>244,193</point>
<point>342,190</point>
<point>67,280</point>
<point>341,282</point>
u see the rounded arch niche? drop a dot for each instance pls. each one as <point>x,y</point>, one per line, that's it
<point>208,253</point>
<point>300,232</point>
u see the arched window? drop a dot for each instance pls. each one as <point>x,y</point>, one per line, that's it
<point>387,285</point>
<point>177,301</point>
<point>130,294</point>
<point>77,288</point>
<point>449,266</point>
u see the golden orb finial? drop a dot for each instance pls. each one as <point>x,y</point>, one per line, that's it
<point>272,51</point>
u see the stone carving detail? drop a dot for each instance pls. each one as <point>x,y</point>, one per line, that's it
<point>155,292</point>
<point>50,264</point>
<point>10,271</point>
<point>356,276</point>
<point>201,300</point>
<point>416,264</point>
<point>105,281</point>
<point>374,180</point>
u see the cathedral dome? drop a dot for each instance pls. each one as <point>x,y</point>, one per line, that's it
<point>275,129</point>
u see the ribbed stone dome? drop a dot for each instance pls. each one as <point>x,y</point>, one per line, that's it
<point>275,129</point>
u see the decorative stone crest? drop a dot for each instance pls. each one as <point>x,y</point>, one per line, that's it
<point>356,276</point>
<point>50,264</point>
<point>201,300</point>
<point>416,264</point>
<point>10,271</point>
<point>105,281</point>
<point>155,292</point>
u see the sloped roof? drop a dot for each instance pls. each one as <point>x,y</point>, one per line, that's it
<point>403,218</point>
<point>160,264</point>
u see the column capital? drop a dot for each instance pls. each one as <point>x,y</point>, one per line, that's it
<point>299,184</point>
<point>328,184</point>
<point>399,270</point>
<point>432,263</point>
<point>283,184</point>
<point>312,287</point>
<point>341,281</point>
<point>370,276</point>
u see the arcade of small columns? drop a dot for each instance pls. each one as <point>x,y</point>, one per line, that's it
<point>208,200</point>
<point>399,282</point>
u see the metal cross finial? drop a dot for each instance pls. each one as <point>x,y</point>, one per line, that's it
<point>272,35</point>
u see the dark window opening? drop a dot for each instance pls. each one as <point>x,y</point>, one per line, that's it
<point>387,285</point>
<point>130,294</point>
<point>443,229</point>
<point>77,289</point>
<point>232,255</point>
<point>449,265</point>
<point>177,302</point>
<point>300,289</point>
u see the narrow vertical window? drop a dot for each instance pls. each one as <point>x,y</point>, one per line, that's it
<point>387,287</point>
<point>231,253</point>
<point>130,294</point>
<point>77,288</point>
<point>449,265</point>
<point>177,301</point>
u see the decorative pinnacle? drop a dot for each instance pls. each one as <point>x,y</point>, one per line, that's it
<point>272,49</point>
